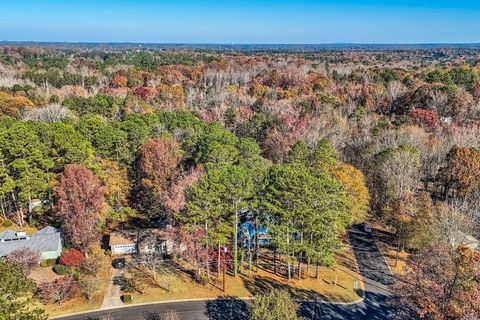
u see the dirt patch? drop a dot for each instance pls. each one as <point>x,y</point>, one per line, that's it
<point>41,275</point>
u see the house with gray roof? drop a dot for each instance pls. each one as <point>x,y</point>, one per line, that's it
<point>47,241</point>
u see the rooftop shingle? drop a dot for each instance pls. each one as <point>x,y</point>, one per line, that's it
<point>45,240</point>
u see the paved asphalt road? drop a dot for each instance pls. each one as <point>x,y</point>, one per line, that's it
<point>376,278</point>
<point>375,273</point>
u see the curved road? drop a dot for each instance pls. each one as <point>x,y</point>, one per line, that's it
<point>371,264</point>
<point>376,278</point>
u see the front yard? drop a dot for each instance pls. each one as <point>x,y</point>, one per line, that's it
<point>182,287</point>
<point>334,284</point>
<point>78,303</point>
<point>175,282</point>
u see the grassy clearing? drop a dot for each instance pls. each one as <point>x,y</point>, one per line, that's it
<point>334,284</point>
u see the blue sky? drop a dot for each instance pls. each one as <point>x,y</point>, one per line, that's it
<point>242,21</point>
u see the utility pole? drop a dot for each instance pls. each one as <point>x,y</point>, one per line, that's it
<point>224,267</point>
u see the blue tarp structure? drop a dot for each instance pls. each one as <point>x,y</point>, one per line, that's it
<point>247,231</point>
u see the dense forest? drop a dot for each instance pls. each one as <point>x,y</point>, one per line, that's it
<point>309,142</point>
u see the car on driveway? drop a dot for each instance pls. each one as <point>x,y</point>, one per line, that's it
<point>118,263</point>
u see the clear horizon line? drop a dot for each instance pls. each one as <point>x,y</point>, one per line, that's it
<point>241,43</point>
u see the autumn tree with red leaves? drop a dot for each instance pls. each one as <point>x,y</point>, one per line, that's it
<point>13,105</point>
<point>429,119</point>
<point>146,93</point>
<point>159,159</point>
<point>174,199</point>
<point>80,199</point>
<point>476,91</point>
<point>72,258</point>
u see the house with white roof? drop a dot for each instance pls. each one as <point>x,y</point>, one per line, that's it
<point>47,241</point>
<point>141,241</point>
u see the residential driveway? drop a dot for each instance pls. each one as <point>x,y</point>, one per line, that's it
<point>375,273</point>
<point>112,298</point>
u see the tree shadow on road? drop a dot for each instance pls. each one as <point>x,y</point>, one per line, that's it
<point>373,309</point>
<point>261,285</point>
<point>227,308</point>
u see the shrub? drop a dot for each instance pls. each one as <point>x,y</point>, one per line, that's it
<point>47,263</point>
<point>127,298</point>
<point>76,275</point>
<point>33,223</point>
<point>202,279</point>
<point>60,269</point>
<point>72,258</point>
<point>7,223</point>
